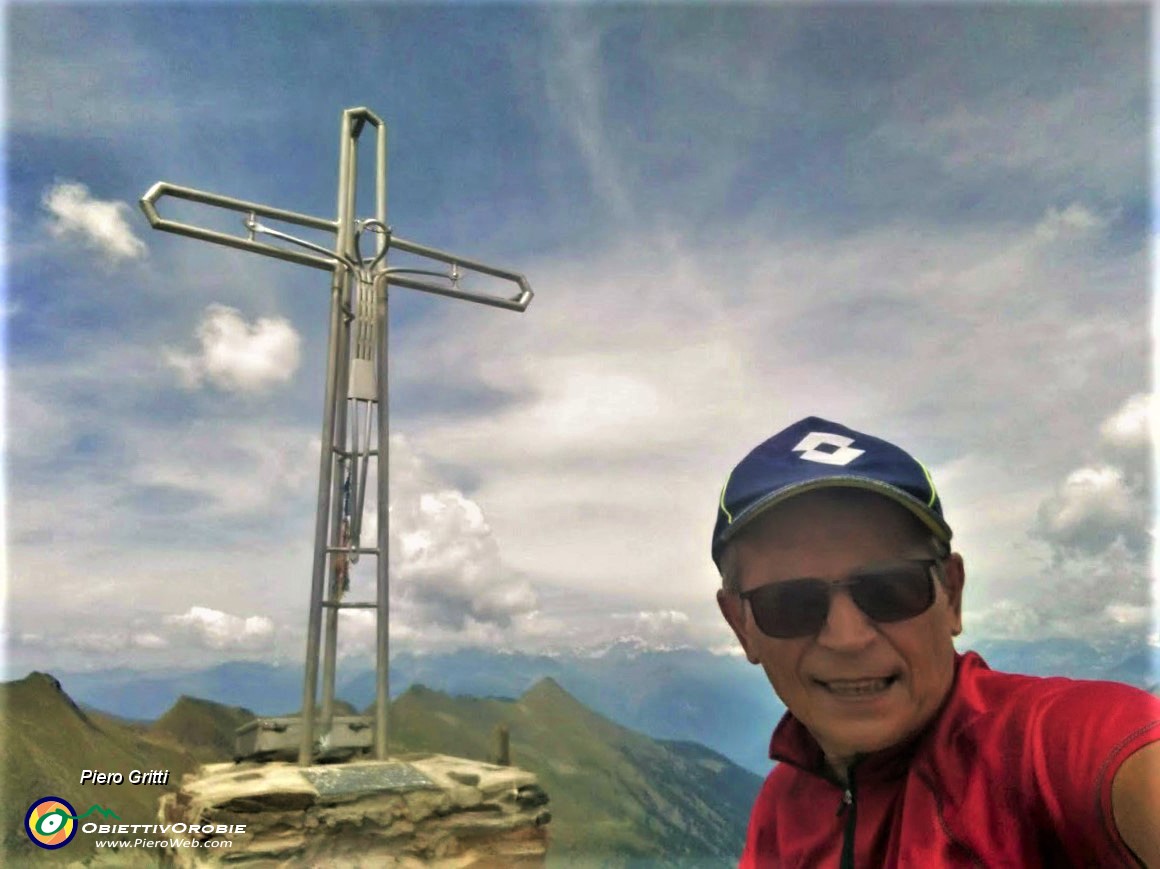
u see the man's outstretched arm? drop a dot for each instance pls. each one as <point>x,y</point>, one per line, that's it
<point>1136,803</point>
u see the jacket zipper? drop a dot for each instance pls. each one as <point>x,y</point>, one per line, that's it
<point>850,807</point>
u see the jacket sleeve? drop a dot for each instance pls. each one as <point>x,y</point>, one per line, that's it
<point>1079,735</point>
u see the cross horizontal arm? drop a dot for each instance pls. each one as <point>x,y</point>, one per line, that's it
<point>163,188</point>
<point>318,260</point>
<point>518,303</point>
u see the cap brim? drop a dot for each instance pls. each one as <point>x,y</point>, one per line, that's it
<point>921,511</point>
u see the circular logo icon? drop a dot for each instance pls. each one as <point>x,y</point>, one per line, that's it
<point>50,823</point>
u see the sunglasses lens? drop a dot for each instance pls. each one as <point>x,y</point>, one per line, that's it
<point>799,607</point>
<point>894,594</point>
<point>794,608</point>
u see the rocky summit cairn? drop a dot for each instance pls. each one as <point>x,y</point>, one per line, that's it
<point>423,810</point>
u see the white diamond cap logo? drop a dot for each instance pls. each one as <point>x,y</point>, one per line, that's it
<point>843,455</point>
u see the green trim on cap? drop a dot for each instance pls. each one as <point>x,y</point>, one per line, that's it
<point>930,482</point>
<point>915,506</point>
<point>725,509</point>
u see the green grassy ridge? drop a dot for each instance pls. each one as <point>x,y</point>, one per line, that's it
<point>204,728</point>
<point>617,796</point>
<point>47,740</point>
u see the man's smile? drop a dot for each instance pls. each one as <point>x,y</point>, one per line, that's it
<point>860,687</point>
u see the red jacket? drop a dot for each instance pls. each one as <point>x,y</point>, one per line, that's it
<point>1013,771</point>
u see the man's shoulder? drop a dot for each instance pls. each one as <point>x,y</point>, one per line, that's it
<point>978,683</point>
<point>994,700</point>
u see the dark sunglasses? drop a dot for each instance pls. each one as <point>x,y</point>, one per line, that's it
<point>799,607</point>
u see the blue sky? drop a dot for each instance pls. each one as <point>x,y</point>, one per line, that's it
<point>927,222</point>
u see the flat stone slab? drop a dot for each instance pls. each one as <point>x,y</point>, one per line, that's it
<point>366,777</point>
<point>413,810</point>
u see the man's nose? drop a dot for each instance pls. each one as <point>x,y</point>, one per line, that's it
<point>846,628</point>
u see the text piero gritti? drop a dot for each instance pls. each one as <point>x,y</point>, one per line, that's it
<point>136,777</point>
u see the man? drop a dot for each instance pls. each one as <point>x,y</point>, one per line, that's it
<point>838,578</point>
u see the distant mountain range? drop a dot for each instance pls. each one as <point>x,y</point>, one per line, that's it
<point>1135,664</point>
<point>719,701</point>
<point>618,798</point>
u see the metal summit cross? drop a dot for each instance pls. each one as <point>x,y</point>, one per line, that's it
<point>356,378</point>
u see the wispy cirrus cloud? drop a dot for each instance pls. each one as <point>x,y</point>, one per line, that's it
<point>578,97</point>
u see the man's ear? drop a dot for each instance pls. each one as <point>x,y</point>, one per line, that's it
<point>733,608</point>
<point>955,577</point>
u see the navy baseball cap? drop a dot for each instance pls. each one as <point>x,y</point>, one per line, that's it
<point>813,454</point>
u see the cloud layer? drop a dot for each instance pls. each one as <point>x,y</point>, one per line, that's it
<point>731,220</point>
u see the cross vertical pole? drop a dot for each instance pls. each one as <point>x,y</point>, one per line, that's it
<point>383,566</point>
<point>335,392</point>
<point>340,462</point>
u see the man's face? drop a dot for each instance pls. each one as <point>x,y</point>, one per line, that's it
<point>831,535</point>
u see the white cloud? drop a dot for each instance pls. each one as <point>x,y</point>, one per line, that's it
<point>99,224</point>
<point>1094,593</point>
<point>1003,619</point>
<point>231,469</point>
<point>594,398</point>
<point>450,586</point>
<point>149,640</point>
<point>105,640</point>
<point>655,628</point>
<point>217,630</point>
<point>1128,614</point>
<point>237,356</point>
<point>657,618</point>
<point>1091,509</point>
<point>1069,223</point>
<point>446,564</point>
<point>1131,426</point>
<point>528,631</point>
<point>98,641</point>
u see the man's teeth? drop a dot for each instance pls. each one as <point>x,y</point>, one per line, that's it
<point>858,686</point>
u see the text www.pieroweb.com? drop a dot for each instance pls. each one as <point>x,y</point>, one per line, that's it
<point>163,843</point>
<point>173,842</point>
